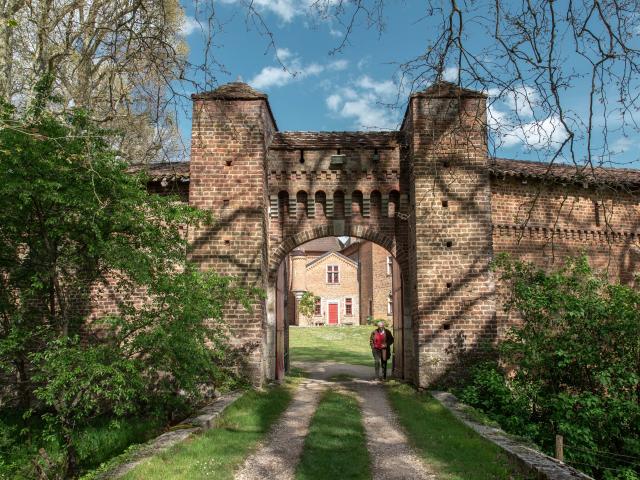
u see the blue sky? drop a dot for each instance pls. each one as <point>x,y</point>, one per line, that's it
<point>352,89</point>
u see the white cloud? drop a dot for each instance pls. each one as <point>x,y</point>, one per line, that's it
<point>287,10</point>
<point>271,77</point>
<point>293,69</point>
<point>364,102</point>
<point>510,116</point>
<point>189,25</point>
<point>333,101</point>
<point>450,74</point>
<point>335,33</point>
<point>338,65</point>
<point>622,145</point>
<point>283,54</point>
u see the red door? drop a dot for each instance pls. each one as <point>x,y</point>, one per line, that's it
<point>333,313</point>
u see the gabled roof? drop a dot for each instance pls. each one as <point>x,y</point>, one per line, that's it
<point>328,254</point>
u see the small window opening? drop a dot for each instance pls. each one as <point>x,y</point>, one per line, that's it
<point>301,156</point>
<point>445,203</point>
<point>449,244</point>
<point>225,203</point>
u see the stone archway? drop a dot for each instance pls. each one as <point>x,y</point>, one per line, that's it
<point>276,328</point>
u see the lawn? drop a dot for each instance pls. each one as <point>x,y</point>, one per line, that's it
<point>219,451</point>
<point>345,344</point>
<point>335,449</point>
<point>455,451</point>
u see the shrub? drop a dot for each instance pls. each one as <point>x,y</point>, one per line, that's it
<point>576,359</point>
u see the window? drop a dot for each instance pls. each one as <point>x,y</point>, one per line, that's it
<point>317,307</point>
<point>389,265</point>
<point>348,306</point>
<point>333,274</point>
<point>390,305</point>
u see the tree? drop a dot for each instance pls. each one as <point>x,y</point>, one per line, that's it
<point>123,61</point>
<point>571,367</point>
<point>73,218</point>
<point>307,304</point>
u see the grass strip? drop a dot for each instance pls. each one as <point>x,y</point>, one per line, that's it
<point>345,344</point>
<point>336,445</point>
<point>451,448</point>
<point>219,451</point>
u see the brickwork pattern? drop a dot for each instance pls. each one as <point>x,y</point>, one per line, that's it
<point>428,194</point>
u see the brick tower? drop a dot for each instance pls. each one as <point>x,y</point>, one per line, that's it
<point>232,128</point>
<point>453,308</point>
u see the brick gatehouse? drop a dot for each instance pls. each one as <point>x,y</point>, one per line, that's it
<point>428,193</point>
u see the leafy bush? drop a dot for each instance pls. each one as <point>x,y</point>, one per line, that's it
<point>307,304</point>
<point>72,217</point>
<point>571,367</point>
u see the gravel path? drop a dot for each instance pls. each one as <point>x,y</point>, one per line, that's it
<point>391,456</point>
<point>278,456</point>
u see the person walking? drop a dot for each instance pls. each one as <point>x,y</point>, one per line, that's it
<point>381,340</point>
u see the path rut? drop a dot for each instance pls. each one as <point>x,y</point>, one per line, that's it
<point>392,458</point>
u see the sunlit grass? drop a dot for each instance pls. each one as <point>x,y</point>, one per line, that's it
<point>451,448</point>
<point>344,344</point>
<point>219,451</point>
<point>335,449</point>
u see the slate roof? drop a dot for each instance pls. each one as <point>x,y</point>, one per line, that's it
<point>326,140</point>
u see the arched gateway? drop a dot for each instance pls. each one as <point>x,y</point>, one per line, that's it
<point>428,193</point>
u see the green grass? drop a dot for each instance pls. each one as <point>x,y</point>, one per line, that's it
<point>348,344</point>
<point>335,449</point>
<point>455,451</point>
<point>95,444</point>
<point>219,451</point>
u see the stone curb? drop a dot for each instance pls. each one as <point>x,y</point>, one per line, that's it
<point>202,421</point>
<point>542,466</point>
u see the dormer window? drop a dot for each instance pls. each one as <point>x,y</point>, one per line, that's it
<point>333,274</point>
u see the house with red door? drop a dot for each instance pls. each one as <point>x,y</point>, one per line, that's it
<point>333,279</point>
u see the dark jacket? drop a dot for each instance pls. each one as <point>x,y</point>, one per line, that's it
<point>388,337</point>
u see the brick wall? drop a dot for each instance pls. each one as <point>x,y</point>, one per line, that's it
<point>230,134</point>
<point>427,193</point>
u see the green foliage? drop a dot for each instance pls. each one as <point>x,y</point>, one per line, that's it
<point>75,222</point>
<point>572,367</point>
<point>220,451</point>
<point>453,450</point>
<point>307,304</point>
